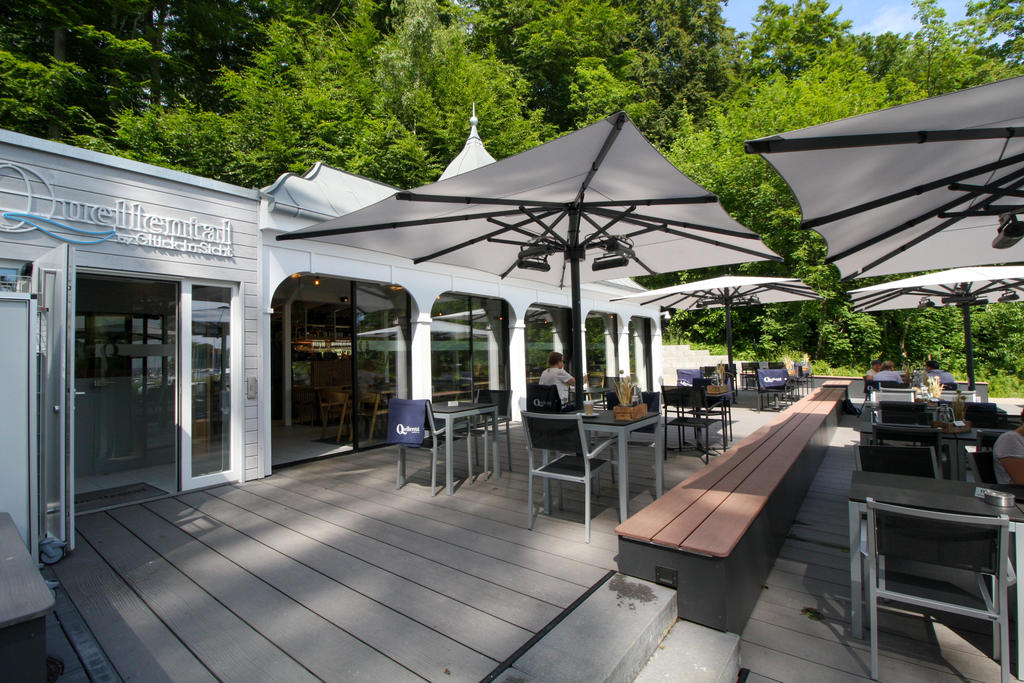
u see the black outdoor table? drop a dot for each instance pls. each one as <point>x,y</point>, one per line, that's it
<point>458,410</point>
<point>941,495</point>
<point>604,421</point>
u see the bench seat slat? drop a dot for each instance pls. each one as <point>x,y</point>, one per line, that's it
<point>659,513</point>
<point>673,517</point>
<point>688,521</point>
<point>724,528</point>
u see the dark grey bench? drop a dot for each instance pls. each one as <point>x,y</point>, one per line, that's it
<point>715,536</point>
<point>25,600</point>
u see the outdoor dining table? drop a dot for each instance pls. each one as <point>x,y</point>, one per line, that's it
<point>940,495</point>
<point>604,422</point>
<point>450,413</point>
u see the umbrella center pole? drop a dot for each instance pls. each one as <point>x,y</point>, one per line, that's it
<point>968,345</point>
<point>574,254</point>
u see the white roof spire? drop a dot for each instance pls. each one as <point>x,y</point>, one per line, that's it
<point>473,154</point>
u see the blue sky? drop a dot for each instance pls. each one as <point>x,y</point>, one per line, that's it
<point>868,16</point>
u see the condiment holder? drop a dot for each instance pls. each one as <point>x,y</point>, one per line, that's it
<point>1001,499</point>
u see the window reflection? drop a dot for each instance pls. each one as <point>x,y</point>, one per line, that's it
<point>211,380</point>
<point>547,330</point>
<point>469,346</point>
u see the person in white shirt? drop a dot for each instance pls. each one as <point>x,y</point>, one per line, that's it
<point>555,374</point>
<point>1008,456</point>
<point>888,373</point>
<point>876,365</point>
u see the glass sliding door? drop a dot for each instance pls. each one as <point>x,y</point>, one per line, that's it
<point>382,355</point>
<point>126,364</point>
<point>468,346</point>
<point>211,380</point>
<point>451,361</point>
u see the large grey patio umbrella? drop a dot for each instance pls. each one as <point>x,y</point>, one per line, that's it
<point>602,194</point>
<point>727,292</point>
<point>926,185</point>
<point>963,287</point>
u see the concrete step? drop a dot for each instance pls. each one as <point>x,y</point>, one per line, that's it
<point>696,654</point>
<point>609,637</point>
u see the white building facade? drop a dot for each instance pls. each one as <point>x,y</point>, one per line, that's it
<point>180,344</point>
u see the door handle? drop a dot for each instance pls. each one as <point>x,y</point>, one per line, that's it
<point>56,409</point>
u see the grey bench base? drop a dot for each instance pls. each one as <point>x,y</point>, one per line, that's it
<point>25,601</point>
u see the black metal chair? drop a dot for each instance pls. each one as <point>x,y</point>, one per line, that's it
<point>773,383</point>
<point>686,407</point>
<point>909,548</point>
<point>918,435</point>
<point>748,376</point>
<point>577,461</point>
<point>912,461</point>
<point>899,412</point>
<point>478,429</point>
<point>716,406</point>
<point>985,415</point>
<point>411,425</point>
<point>982,459</point>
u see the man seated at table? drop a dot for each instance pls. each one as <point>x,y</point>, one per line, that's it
<point>876,365</point>
<point>556,375</point>
<point>933,370</point>
<point>1008,456</point>
<point>888,373</point>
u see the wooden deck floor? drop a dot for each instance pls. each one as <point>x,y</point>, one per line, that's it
<point>324,570</point>
<point>800,628</point>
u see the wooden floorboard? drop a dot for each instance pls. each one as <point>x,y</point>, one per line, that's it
<point>139,645</point>
<point>229,647</point>
<point>325,570</point>
<point>323,648</point>
<point>287,562</point>
<point>369,556</point>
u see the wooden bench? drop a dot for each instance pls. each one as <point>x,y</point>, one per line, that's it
<point>25,600</point>
<point>715,536</point>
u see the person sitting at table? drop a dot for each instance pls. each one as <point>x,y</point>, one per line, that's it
<point>876,365</point>
<point>888,373</point>
<point>932,369</point>
<point>556,375</point>
<point>1008,456</point>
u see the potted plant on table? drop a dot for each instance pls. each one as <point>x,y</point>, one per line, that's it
<point>631,405</point>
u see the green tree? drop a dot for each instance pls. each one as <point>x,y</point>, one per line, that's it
<point>788,39</point>
<point>1000,25</point>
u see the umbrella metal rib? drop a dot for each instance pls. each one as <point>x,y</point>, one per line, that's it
<point>1016,175</point>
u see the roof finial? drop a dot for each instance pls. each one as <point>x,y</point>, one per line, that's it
<point>473,121</point>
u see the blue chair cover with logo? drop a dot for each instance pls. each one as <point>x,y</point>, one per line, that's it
<point>685,378</point>
<point>407,422</point>
<point>773,379</point>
